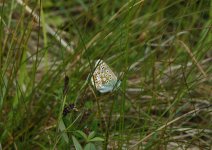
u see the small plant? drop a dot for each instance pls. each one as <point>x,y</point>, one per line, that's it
<point>88,139</point>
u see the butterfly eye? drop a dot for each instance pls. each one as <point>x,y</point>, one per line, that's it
<point>107,71</point>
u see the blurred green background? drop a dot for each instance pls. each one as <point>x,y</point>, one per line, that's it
<point>160,50</point>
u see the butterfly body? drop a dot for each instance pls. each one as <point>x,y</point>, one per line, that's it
<point>103,78</point>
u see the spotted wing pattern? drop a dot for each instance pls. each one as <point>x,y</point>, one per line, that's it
<point>103,77</point>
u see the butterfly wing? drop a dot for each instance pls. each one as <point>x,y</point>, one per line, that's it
<point>109,87</point>
<point>103,77</point>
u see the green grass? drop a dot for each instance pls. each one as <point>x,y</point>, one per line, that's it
<point>160,50</point>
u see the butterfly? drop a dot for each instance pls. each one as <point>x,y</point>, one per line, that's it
<point>103,77</point>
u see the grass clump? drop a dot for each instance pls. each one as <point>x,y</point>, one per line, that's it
<point>160,50</point>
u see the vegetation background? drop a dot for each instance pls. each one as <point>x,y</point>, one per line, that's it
<point>160,50</point>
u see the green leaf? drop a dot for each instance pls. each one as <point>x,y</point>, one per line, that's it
<point>82,134</point>
<point>91,135</point>
<point>62,128</point>
<point>90,146</point>
<point>76,144</point>
<point>96,139</point>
